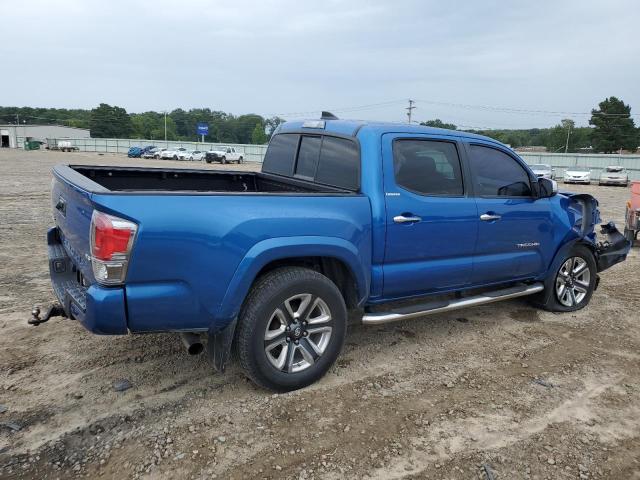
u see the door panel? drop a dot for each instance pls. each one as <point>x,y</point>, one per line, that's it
<point>515,228</point>
<point>430,239</point>
<point>511,246</point>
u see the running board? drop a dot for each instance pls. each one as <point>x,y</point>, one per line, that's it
<point>444,306</point>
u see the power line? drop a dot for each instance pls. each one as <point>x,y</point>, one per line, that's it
<point>522,110</point>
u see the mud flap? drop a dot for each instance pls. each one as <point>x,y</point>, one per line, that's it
<point>613,249</point>
<point>219,346</point>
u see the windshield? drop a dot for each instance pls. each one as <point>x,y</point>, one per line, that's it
<point>540,166</point>
<point>615,169</point>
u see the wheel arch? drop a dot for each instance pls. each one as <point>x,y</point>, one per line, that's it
<point>334,257</point>
<point>559,257</point>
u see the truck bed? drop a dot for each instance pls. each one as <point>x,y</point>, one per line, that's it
<point>137,179</point>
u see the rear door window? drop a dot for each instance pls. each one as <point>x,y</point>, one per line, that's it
<point>496,174</point>
<point>427,167</point>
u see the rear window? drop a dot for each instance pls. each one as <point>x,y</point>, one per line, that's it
<point>323,159</point>
<point>281,154</point>
<point>308,157</point>
<point>339,163</point>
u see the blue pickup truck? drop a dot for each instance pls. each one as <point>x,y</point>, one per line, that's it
<point>394,221</point>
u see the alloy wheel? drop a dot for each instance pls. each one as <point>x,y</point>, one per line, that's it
<point>572,281</point>
<point>298,333</point>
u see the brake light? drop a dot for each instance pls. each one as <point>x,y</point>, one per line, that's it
<point>111,243</point>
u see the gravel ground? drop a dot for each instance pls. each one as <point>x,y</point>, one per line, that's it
<point>498,391</point>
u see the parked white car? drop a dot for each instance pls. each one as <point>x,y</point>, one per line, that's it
<point>577,175</point>
<point>196,155</point>
<point>184,154</point>
<point>614,175</point>
<point>172,153</point>
<point>223,155</point>
<point>543,170</point>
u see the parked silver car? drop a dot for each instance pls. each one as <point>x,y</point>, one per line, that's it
<point>543,170</point>
<point>614,175</point>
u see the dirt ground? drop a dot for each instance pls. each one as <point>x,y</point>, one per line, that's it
<point>500,391</point>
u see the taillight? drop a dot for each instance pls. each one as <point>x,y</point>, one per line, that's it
<point>111,243</point>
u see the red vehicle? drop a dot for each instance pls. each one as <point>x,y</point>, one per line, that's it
<point>632,215</point>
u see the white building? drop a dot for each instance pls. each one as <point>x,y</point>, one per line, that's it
<point>13,136</point>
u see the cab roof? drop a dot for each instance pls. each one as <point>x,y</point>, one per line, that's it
<point>353,127</point>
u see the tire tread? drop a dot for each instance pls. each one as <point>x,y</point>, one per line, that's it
<point>261,293</point>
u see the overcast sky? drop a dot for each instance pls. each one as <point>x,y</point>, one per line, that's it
<point>294,58</point>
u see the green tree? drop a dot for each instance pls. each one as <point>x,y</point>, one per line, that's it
<point>439,124</point>
<point>271,124</point>
<point>110,122</point>
<point>244,126</point>
<point>556,138</point>
<point>614,128</point>
<point>258,137</point>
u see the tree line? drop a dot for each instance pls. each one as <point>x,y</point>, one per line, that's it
<point>107,121</point>
<point>611,126</point>
<point>612,129</point>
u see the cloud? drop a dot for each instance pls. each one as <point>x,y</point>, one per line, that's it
<point>288,56</point>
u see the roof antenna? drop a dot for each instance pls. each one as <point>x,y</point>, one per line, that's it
<point>328,116</point>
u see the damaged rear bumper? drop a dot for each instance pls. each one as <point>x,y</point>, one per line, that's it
<point>612,249</point>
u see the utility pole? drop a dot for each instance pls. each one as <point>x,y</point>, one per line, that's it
<point>566,145</point>
<point>409,109</point>
<point>165,125</point>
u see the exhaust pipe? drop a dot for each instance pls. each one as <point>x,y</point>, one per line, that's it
<point>192,343</point>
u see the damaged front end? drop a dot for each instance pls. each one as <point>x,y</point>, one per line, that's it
<point>613,248</point>
<point>610,246</point>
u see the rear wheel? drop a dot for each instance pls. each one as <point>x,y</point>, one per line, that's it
<point>223,160</point>
<point>240,160</point>
<point>291,329</point>
<point>573,283</point>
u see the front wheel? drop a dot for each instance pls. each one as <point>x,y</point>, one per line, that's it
<point>291,329</point>
<point>239,160</point>
<point>573,283</point>
<point>224,160</point>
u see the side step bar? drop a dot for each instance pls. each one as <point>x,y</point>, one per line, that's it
<point>430,308</point>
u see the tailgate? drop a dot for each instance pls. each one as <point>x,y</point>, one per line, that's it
<point>72,210</point>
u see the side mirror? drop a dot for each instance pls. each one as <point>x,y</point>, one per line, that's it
<point>547,188</point>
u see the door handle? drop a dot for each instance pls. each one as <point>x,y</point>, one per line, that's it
<point>487,217</point>
<point>403,219</point>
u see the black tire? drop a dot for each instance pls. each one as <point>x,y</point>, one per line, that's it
<point>223,160</point>
<point>554,301</point>
<point>239,160</point>
<point>175,157</point>
<point>271,294</point>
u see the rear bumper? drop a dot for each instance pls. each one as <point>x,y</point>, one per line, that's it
<point>613,181</point>
<point>100,309</point>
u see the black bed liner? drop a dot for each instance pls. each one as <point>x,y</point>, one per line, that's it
<point>137,179</point>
